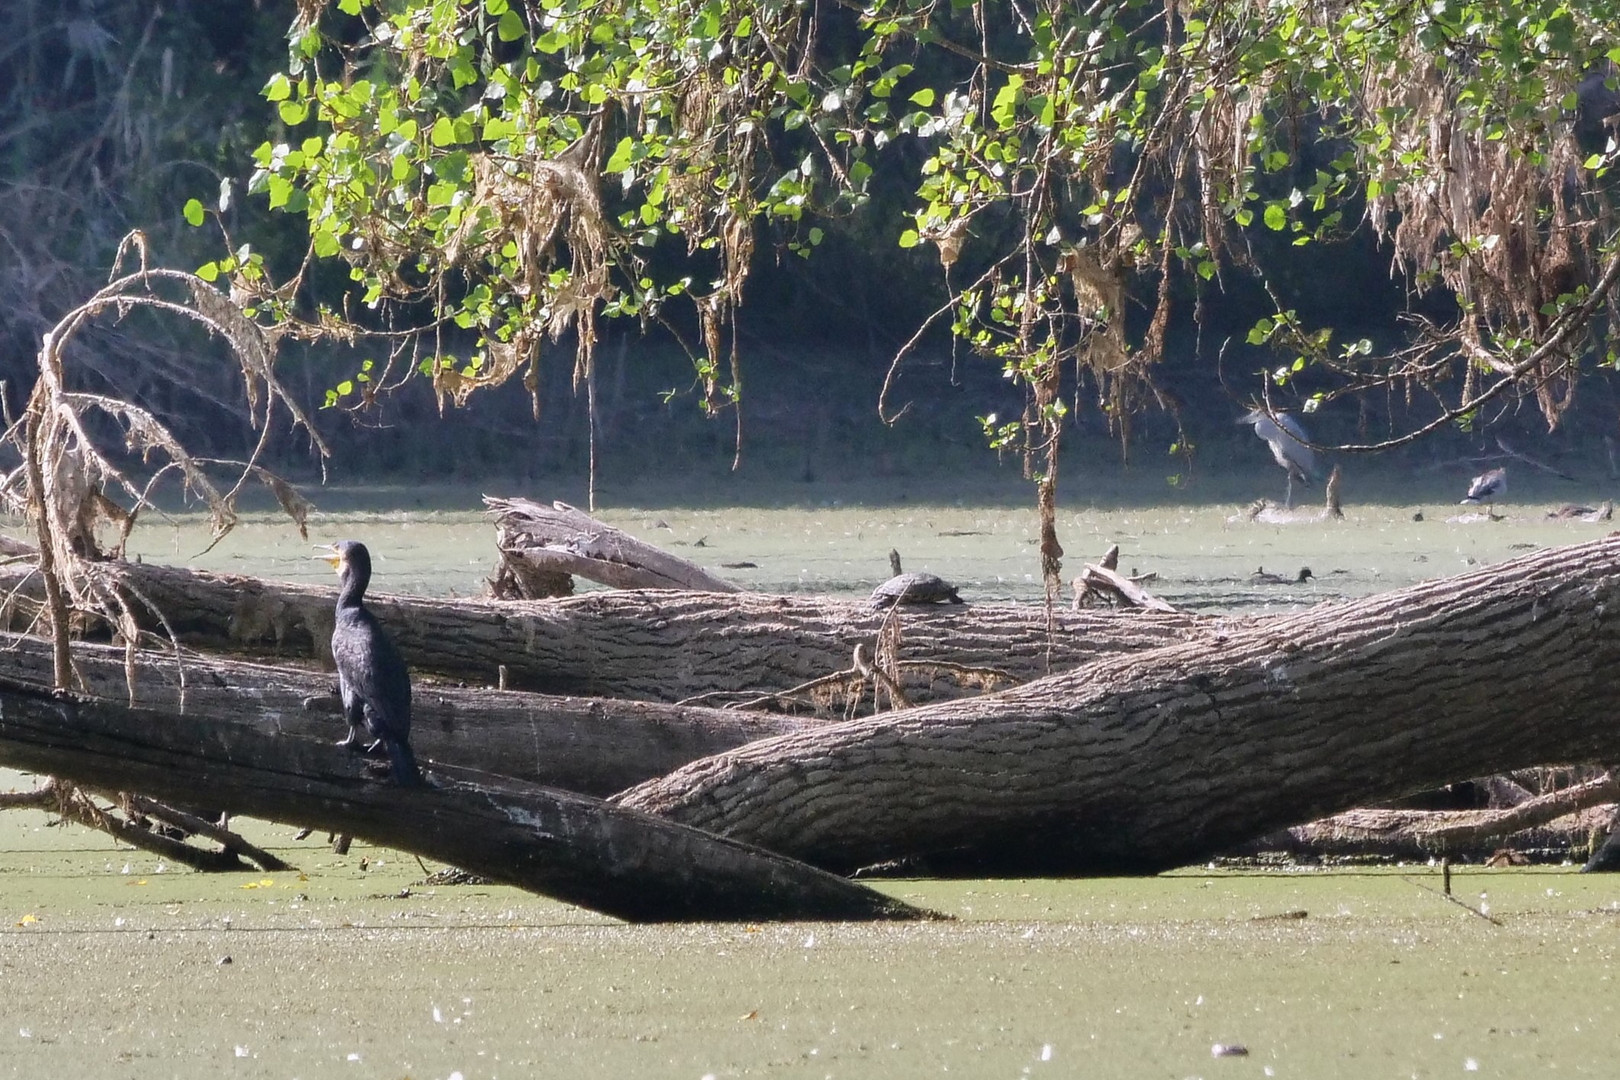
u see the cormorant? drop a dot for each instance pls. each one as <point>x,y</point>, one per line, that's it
<point>1287,440</point>
<point>372,678</point>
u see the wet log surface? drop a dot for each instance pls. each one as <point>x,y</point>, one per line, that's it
<point>592,746</point>
<point>570,847</point>
<point>1172,756</point>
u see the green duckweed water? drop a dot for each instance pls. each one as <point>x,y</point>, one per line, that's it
<point>116,966</point>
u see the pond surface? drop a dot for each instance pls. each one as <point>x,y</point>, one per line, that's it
<point>441,544</point>
<point>115,965</point>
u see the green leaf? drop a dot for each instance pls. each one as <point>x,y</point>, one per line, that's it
<point>1005,107</point>
<point>511,27</point>
<point>910,239</point>
<point>444,132</point>
<point>1276,217</point>
<point>293,113</point>
<point>208,271</point>
<point>193,211</point>
<point>281,190</point>
<point>279,88</point>
<point>620,158</point>
<point>923,97</point>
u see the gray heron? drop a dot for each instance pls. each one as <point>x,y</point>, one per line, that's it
<point>1485,488</point>
<point>1287,441</point>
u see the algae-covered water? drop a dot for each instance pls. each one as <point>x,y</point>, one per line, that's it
<point>116,966</point>
<point>354,968</point>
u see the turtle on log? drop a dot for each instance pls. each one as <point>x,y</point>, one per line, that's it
<point>906,588</point>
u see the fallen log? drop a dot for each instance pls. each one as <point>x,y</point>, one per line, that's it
<point>1175,755</point>
<point>591,746</point>
<point>650,646</point>
<point>570,847</point>
<point>559,539</point>
<point>1467,834</point>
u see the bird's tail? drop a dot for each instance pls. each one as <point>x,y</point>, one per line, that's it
<point>406,774</point>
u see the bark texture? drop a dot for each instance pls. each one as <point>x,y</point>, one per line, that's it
<point>567,846</point>
<point>595,747</point>
<point>649,646</point>
<point>1148,761</point>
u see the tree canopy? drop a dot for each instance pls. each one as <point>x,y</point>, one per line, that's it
<point>497,174</point>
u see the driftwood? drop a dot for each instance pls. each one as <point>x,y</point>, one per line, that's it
<point>1472,834</point>
<point>650,646</point>
<point>1154,760</point>
<point>560,540</point>
<point>595,747</point>
<point>122,820</point>
<point>1268,513</point>
<point>570,847</point>
<point>1105,579</point>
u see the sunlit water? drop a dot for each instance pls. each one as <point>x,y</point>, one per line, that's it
<point>1204,556</point>
<point>116,965</point>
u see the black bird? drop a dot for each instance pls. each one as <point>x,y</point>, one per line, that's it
<point>372,678</point>
<point>1263,576</point>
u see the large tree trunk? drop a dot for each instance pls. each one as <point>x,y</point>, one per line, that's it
<point>568,846</point>
<point>651,646</point>
<point>1148,761</point>
<point>587,745</point>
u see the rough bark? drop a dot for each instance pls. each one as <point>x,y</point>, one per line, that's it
<point>595,747</point>
<point>650,646</point>
<point>1154,760</point>
<point>576,849</point>
<point>559,539</point>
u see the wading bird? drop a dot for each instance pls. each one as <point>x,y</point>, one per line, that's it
<point>1263,576</point>
<point>1485,488</point>
<point>372,678</point>
<point>1287,441</point>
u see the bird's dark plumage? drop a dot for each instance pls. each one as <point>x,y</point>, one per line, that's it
<point>372,677</point>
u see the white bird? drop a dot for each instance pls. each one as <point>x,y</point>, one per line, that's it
<point>1486,487</point>
<point>1287,441</point>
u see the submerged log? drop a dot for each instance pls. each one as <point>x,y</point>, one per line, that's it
<point>1149,761</point>
<point>595,747</point>
<point>559,539</point>
<point>570,847</point>
<point>650,646</point>
<point>1419,834</point>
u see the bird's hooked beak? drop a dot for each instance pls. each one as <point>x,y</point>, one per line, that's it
<point>331,555</point>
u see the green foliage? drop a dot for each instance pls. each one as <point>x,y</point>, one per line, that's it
<point>525,167</point>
